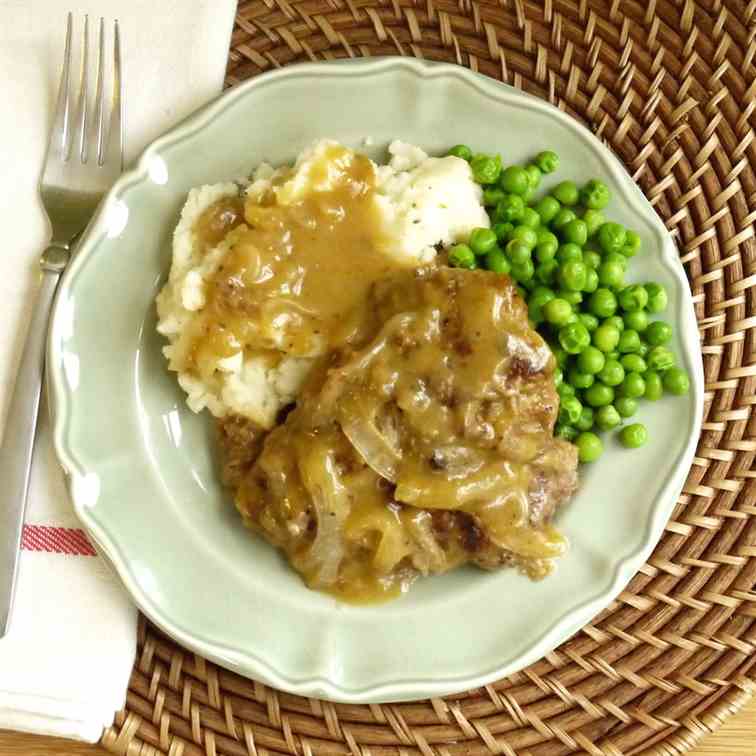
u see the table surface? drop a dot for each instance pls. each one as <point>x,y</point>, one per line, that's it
<point>737,737</point>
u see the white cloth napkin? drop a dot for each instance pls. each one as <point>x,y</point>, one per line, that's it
<point>65,665</point>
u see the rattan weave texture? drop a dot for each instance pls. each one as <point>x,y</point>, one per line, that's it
<point>670,85</point>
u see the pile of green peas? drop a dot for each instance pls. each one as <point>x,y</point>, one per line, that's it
<point>569,263</point>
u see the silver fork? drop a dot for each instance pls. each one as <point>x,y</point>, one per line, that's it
<point>83,160</point>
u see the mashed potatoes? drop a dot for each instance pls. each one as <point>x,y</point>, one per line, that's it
<point>248,307</point>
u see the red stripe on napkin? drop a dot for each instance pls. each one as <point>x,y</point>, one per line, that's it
<point>56,540</point>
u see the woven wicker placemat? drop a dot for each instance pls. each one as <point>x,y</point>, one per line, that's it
<point>671,86</point>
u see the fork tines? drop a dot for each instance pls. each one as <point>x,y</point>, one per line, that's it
<point>88,140</point>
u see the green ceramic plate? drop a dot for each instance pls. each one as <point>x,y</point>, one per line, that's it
<point>142,469</point>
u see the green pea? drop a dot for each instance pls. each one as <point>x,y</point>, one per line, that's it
<point>613,355</point>
<point>585,421</point>
<point>547,161</point>
<point>530,218</point>
<point>589,447</point>
<point>547,208</point>
<point>574,337</point>
<point>629,341</point>
<point>546,272</point>
<point>634,363</point>
<point>591,360</point>
<point>569,410</point>
<point>572,275</point>
<point>486,169</point>
<point>616,257</point>
<point>676,381</point>
<point>611,237</point>
<point>602,303</point>
<point>534,175</point>
<point>514,180</point>
<point>509,209</point>
<point>591,281</point>
<point>575,232</point>
<point>658,333</point>
<point>517,252</point>
<point>599,395</point>
<point>482,240</point>
<point>526,235</point>
<point>632,244</point>
<point>633,386</point>
<point>612,374</point>
<point>523,271</point>
<point>593,219</point>
<point>573,297</point>
<point>616,321</point>
<point>606,337</point>
<point>547,237</point>
<point>502,231</point>
<point>660,359</point>
<point>565,389</point>
<point>461,151</point>
<point>657,297</point>
<point>607,417</point>
<point>496,261</point>
<point>637,320</point>
<point>562,218</point>
<point>611,275</point>
<point>643,350</point>
<point>536,302</point>
<point>566,192</point>
<point>540,291</point>
<point>626,406</point>
<point>545,251</point>
<point>492,196</point>
<point>580,380</point>
<point>591,258</point>
<point>633,436</point>
<point>654,386</point>
<point>633,297</point>
<point>559,354</point>
<point>595,195</point>
<point>567,432</point>
<point>567,252</point>
<point>461,256</point>
<point>558,375</point>
<point>589,321</point>
<point>522,292</point>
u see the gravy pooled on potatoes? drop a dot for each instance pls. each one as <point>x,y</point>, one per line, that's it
<point>293,271</point>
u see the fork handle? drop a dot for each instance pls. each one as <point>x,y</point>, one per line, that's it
<point>20,430</point>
